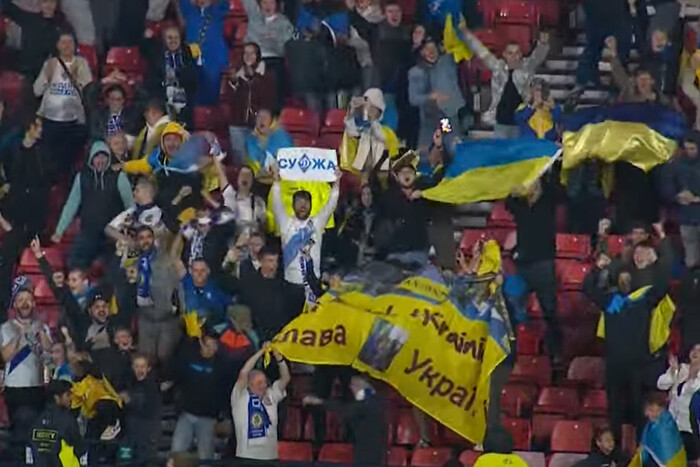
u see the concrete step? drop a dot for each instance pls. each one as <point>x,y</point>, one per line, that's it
<point>588,94</point>
<point>572,50</point>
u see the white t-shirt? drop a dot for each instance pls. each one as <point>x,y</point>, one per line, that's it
<point>28,373</point>
<point>250,210</point>
<point>261,448</point>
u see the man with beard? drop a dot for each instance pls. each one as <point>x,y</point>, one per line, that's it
<point>156,287</point>
<point>25,342</point>
<point>302,234</point>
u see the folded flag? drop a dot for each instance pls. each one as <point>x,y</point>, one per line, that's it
<point>661,442</point>
<point>615,141</point>
<point>492,169</point>
<point>190,155</point>
<point>660,118</point>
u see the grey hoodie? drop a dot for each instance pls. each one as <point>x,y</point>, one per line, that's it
<point>270,34</point>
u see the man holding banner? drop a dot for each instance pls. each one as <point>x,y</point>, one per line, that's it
<point>302,233</point>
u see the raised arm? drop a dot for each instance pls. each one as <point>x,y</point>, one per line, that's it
<point>70,209</point>
<point>285,376</point>
<point>479,49</point>
<point>175,250</point>
<point>252,10</point>
<point>15,13</point>
<point>329,208</point>
<point>250,364</point>
<point>539,55</point>
<point>278,208</point>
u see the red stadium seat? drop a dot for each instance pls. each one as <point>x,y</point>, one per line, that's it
<point>396,457</point>
<point>570,274</point>
<point>334,122</point>
<point>235,8</point>
<point>336,452</point>
<point>616,244</point>
<point>500,216</point>
<point>529,340</point>
<point>573,246</point>
<point>572,436</point>
<point>29,265</point>
<point>407,429</point>
<point>468,458</point>
<point>549,12</point>
<point>12,89</point>
<point>491,39</point>
<point>562,459</point>
<point>532,369</point>
<point>208,118</point>
<point>43,294</point>
<point>594,403</point>
<point>588,371</point>
<point>49,315</point>
<point>300,121</point>
<point>520,431</point>
<point>520,34</point>
<point>430,457</point>
<point>239,35</point>
<point>295,452</point>
<point>330,141</point>
<point>542,426</point>
<point>517,400</point>
<point>517,12</point>
<point>333,432</point>
<point>293,424</point>
<point>562,401</point>
<point>575,306</point>
<point>304,141</point>
<point>450,438</point>
<point>89,53</point>
<point>127,59</point>
<point>533,459</point>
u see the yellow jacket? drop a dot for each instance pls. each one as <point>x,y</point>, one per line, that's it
<point>87,392</point>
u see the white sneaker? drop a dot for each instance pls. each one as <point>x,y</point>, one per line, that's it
<point>111,432</point>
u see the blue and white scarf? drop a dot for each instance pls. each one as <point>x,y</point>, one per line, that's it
<point>258,419</point>
<point>143,291</point>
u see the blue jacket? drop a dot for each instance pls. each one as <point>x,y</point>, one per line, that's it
<point>213,46</point>
<point>257,148</point>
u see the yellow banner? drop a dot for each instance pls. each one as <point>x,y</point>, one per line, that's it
<point>415,339</point>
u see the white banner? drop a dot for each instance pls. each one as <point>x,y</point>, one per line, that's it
<point>307,164</point>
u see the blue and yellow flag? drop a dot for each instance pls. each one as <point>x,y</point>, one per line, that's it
<point>453,42</point>
<point>436,344</point>
<point>661,317</point>
<point>492,169</point>
<point>642,135</point>
<point>662,442</point>
<point>660,118</point>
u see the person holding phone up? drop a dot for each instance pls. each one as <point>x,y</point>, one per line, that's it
<point>541,117</point>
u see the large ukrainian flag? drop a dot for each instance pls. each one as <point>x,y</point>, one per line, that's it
<point>643,135</point>
<point>661,442</point>
<point>492,169</point>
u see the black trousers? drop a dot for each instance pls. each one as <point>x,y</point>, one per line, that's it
<point>322,384</point>
<point>23,406</point>
<point>625,388</point>
<point>64,140</point>
<point>540,279</point>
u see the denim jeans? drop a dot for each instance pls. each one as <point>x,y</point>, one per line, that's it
<point>190,427</point>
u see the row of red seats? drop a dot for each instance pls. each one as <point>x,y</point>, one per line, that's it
<point>583,371</point>
<point>520,400</point>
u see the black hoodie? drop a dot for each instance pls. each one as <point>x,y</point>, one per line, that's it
<point>598,459</point>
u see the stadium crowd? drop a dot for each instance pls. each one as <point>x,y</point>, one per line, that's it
<point>181,266</point>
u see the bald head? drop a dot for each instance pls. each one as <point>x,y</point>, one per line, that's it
<point>257,382</point>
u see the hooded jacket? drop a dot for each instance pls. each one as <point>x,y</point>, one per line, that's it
<point>98,195</point>
<point>373,137</point>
